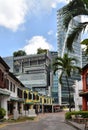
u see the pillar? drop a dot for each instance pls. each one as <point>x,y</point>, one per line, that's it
<point>38,108</point>
<point>42,108</point>
<point>21,109</point>
<point>84,105</point>
<point>4,105</point>
<point>52,108</point>
<point>15,106</point>
<point>15,111</point>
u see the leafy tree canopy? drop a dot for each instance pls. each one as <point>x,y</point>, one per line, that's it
<point>19,53</point>
<point>39,51</point>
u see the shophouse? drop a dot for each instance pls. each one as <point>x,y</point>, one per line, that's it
<point>84,92</point>
<point>17,99</point>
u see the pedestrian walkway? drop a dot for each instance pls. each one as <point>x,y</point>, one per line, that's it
<point>42,116</point>
<point>76,125</point>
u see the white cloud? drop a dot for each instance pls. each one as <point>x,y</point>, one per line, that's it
<point>43,6</point>
<point>12,13</point>
<point>55,2</point>
<point>37,42</point>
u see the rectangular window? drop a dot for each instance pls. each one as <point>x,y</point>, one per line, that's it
<point>19,93</point>
<point>13,87</point>
<point>10,86</point>
<point>7,83</point>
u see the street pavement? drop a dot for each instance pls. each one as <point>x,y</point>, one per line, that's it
<point>49,121</point>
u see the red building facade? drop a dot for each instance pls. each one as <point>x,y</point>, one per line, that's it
<point>84,92</point>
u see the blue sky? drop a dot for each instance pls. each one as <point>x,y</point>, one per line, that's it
<point>28,25</point>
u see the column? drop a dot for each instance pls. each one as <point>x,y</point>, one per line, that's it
<point>84,105</point>
<point>15,106</point>
<point>52,108</point>
<point>42,108</point>
<point>15,111</point>
<point>22,109</point>
<point>38,108</point>
<point>4,105</point>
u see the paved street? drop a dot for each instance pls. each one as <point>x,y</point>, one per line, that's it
<point>52,121</point>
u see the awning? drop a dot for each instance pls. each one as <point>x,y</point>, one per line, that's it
<point>4,92</point>
<point>31,103</point>
<point>83,93</point>
<point>17,99</point>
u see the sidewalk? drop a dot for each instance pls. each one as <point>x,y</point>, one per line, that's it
<point>76,125</point>
<point>41,116</point>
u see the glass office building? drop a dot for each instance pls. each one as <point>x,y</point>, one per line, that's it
<point>84,58</point>
<point>61,35</point>
<point>54,89</point>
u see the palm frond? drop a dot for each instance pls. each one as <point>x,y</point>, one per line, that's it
<point>74,8</point>
<point>86,3</point>
<point>54,70</point>
<point>76,68</point>
<point>60,78</point>
<point>85,42</point>
<point>66,65</point>
<point>74,33</point>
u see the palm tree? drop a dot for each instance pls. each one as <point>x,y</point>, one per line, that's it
<point>66,66</point>
<point>69,12</point>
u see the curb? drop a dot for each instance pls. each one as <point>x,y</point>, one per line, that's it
<point>70,123</point>
<point>3,124</point>
<point>13,123</point>
<point>38,118</point>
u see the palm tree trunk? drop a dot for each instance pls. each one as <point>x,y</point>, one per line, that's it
<point>69,94</point>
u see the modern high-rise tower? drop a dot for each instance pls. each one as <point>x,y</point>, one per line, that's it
<point>61,35</point>
<point>33,71</point>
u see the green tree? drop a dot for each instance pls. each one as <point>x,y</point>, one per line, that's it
<point>69,12</point>
<point>66,66</point>
<point>19,53</point>
<point>39,51</point>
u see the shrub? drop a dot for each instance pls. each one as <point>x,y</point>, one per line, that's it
<point>2,113</point>
<point>83,114</point>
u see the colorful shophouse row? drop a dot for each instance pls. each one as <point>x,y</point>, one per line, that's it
<point>16,99</point>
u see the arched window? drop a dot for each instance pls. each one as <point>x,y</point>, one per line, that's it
<point>44,100</point>
<point>25,95</point>
<point>30,96</point>
<point>37,97</point>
